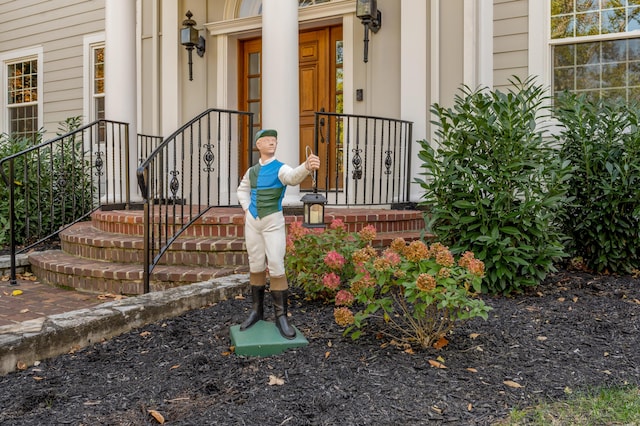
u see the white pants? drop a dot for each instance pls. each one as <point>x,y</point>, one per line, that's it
<point>266,242</point>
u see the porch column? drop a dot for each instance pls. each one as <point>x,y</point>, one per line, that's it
<point>280,89</point>
<point>121,86</point>
<point>414,78</point>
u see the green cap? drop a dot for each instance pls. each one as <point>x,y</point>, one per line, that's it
<point>266,132</point>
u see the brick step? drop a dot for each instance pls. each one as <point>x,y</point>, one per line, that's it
<point>58,268</point>
<point>86,241</point>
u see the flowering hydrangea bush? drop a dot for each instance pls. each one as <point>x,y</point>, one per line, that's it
<point>319,261</point>
<point>414,293</point>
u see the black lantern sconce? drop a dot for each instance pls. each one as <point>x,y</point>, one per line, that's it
<point>313,210</point>
<point>371,17</point>
<point>190,39</point>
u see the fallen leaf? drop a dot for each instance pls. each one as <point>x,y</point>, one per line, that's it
<point>474,335</point>
<point>329,343</point>
<point>541,338</point>
<point>409,351</point>
<point>561,299</point>
<point>568,390</point>
<point>326,354</point>
<point>473,370</point>
<point>274,380</point>
<point>24,311</point>
<point>469,407</point>
<point>512,384</point>
<point>575,299</point>
<point>436,364</point>
<point>441,343</point>
<point>20,365</point>
<point>38,378</point>
<point>173,367</point>
<point>157,416</point>
<point>437,409</point>
<point>240,297</point>
<point>226,353</point>
<point>16,292</point>
<point>440,359</point>
<point>145,334</point>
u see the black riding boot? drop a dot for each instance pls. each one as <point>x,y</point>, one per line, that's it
<point>257,309</point>
<point>280,302</point>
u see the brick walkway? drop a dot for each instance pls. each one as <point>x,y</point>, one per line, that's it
<point>38,300</point>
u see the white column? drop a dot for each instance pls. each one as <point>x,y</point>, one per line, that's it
<point>120,82</point>
<point>414,78</point>
<point>478,43</point>
<point>169,62</point>
<point>280,87</point>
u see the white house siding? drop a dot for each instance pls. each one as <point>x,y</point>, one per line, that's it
<point>511,26</point>
<point>58,26</point>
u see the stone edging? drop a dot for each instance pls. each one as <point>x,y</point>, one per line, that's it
<point>46,337</point>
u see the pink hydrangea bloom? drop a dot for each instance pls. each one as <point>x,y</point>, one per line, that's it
<point>334,260</point>
<point>331,280</point>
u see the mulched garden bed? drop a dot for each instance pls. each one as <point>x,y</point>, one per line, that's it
<point>573,332</point>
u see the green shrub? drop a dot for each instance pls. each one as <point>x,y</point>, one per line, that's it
<point>412,293</point>
<point>53,185</point>
<point>493,185</point>
<point>602,142</point>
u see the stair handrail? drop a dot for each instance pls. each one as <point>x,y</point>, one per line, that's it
<point>66,156</point>
<point>165,216</point>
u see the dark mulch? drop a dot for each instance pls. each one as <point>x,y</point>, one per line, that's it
<point>573,332</point>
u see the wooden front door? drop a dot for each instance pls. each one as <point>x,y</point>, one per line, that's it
<point>320,79</point>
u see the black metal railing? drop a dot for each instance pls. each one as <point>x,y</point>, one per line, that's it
<point>191,171</point>
<point>365,160</point>
<point>59,182</point>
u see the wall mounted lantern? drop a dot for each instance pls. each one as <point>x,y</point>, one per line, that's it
<point>371,18</point>
<point>190,39</point>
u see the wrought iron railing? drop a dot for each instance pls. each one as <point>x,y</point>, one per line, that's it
<point>191,171</point>
<point>57,183</point>
<point>365,160</point>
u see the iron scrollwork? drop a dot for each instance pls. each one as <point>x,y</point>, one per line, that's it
<point>357,164</point>
<point>208,158</point>
<point>388,162</point>
<point>174,184</point>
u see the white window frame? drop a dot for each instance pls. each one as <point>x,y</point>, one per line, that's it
<point>90,42</point>
<point>540,42</point>
<point>11,57</point>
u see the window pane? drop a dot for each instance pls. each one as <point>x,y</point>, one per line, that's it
<point>588,77</point>
<point>254,88</point>
<point>254,63</point>
<point>612,4</point>
<point>614,51</point>
<point>587,24</point>
<point>633,19</point>
<point>634,74</point>
<point>561,6</point>
<point>588,53</point>
<point>563,79</point>
<point>585,5</point>
<point>562,27</point>
<point>614,75</point>
<point>614,21</point>
<point>564,55</point>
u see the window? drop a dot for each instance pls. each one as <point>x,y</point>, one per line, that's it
<point>254,7</point>
<point>593,48</point>
<point>22,97</point>
<point>97,82</point>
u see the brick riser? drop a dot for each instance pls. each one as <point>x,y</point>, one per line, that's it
<point>229,222</point>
